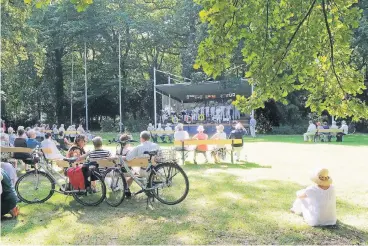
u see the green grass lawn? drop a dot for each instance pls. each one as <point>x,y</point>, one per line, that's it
<point>221,208</point>
<point>350,140</point>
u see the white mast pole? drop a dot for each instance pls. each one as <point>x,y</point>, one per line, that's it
<point>120,110</point>
<point>154,94</point>
<point>71,93</point>
<point>85,83</point>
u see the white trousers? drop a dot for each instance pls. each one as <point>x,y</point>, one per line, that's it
<point>253,131</point>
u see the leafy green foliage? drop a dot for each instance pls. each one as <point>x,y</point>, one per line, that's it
<point>80,5</point>
<point>287,45</point>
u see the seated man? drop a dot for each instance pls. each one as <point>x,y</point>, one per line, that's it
<point>168,132</point>
<point>97,153</point>
<point>138,151</point>
<point>151,128</point>
<point>345,130</point>
<point>311,128</point>
<point>50,144</point>
<point>31,141</point>
<point>160,134</point>
<point>326,136</point>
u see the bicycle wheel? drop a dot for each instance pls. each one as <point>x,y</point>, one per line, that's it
<point>115,186</point>
<point>35,187</point>
<point>94,196</point>
<point>169,183</point>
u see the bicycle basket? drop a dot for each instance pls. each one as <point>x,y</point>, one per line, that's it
<point>165,156</point>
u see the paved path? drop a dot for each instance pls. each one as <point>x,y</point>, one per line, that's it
<point>294,162</point>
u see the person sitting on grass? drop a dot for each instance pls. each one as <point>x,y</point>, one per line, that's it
<point>201,148</point>
<point>317,203</point>
<point>8,196</point>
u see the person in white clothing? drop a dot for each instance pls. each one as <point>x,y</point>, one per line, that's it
<point>252,126</point>
<point>236,114</point>
<point>218,116</point>
<point>344,127</point>
<point>317,203</point>
<point>151,128</point>
<point>160,132</point>
<point>80,129</point>
<point>207,112</point>
<point>228,111</point>
<point>50,144</point>
<point>180,134</point>
<point>219,152</point>
<point>61,128</point>
<point>213,111</point>
<point>168,132</point>
<point>311,128</point>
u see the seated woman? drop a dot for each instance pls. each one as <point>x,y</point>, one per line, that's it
<point>8,196</point>
<point>50,144</point>
<point>220,148</point>
<point>124,138</point>
<point>317,203</point>
<point>201,148</point>
<point>77,148</point>
<point>63,141</point>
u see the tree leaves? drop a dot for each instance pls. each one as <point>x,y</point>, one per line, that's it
<point>287,48</point>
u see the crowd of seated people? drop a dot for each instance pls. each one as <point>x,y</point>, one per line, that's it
<point>312,131</point>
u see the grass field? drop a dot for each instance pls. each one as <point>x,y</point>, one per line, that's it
<point>350,140</point>
<point>227,204</point>
<point>221,208</point>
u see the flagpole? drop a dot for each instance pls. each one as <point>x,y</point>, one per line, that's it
<point>120,110</point>
<point>71,93</point>
<point>85,83</point>
<point>154,95</point>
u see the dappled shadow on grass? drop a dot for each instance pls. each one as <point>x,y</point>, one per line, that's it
<point>219,209</point>
<point>244,165</point>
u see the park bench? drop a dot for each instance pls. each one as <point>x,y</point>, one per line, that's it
<point>181,145</point>
<point>156,133</point>
<point>316,133</point>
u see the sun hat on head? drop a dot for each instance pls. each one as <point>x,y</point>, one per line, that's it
<point>220,128</point>
<point>320,177</point>
<point>200,128</point>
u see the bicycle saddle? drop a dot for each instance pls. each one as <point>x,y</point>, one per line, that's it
<point>71,159</point>
<point>150,153</point>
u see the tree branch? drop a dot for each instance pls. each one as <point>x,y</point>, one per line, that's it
<point>331,45</point>
<point>293,36</point>
<point>266,33</point>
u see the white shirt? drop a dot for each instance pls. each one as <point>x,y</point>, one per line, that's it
<point>312,127</point>
<point>219,135</point>
<point>160,129</point>
<point>150,128</point>
<point>168,129</point>
<point>80,129</point>
<point>55,153</point>
<point>319,208</point>
<point>334,127</point>
<point>138,151</point>
<point>345,129</point>
<point>181,135</point>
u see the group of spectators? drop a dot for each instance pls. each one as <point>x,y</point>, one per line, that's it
<point>219,150</point>
<point>312,128</point>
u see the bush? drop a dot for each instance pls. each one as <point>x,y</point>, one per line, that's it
<point>132,125</point>
<point>108,125</point>
<point>289,130</point>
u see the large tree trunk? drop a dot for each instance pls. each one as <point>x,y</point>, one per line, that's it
<point>59,85</point>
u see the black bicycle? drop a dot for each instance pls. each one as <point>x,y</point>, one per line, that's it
<point>166,181</point>
<point>38,185</point>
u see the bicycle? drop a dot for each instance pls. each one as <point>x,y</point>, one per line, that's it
<point>159,184</point>
<point>38,185</point>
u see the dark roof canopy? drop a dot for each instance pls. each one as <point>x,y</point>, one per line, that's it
<point>204,91</point>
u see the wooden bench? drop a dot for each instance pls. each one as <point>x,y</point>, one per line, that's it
<point>316,133</point>
<point>192,142</point>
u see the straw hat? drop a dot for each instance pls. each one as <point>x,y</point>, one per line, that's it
<point>320,177</point>
<point>200,128</point>
<point>220,128</point>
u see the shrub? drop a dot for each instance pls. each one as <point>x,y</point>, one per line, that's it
<point>108,125</point>
<point>289,130</point>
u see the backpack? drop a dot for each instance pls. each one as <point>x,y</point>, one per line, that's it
<point>76,177</point>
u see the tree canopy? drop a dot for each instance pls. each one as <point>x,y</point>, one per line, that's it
<point>288,45</point>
